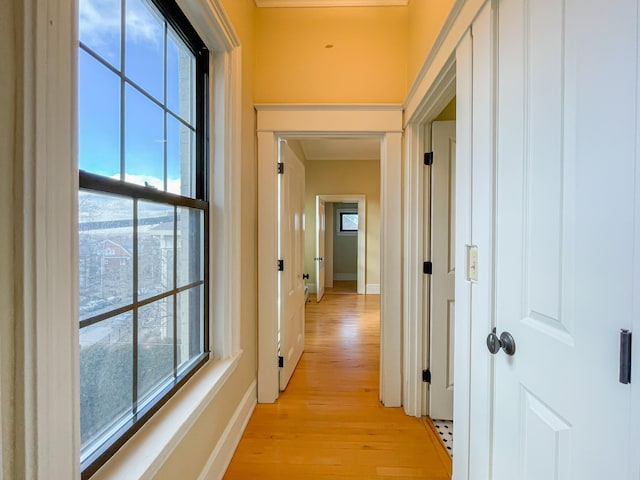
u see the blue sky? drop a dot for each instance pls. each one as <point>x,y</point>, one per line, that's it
<point>100,94</point>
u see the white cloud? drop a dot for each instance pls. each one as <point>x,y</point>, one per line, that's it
<point>100,22</point>
<point>140,23</point>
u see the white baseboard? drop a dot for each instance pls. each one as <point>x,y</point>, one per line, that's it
<point>221,456</point>
<point>345,276</point>
<point>373,289</point>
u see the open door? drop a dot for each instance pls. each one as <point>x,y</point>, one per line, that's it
<point>320,237</point>
<point>441,321</point>
<point>566,159</point>
<point>291,185</point>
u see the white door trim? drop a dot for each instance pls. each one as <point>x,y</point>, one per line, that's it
<point>289,121</point>
<point>361,200</point>
<point>450,71</point>
<point>417,195</point>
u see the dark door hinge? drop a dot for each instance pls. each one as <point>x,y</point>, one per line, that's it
<point>427,268</point>
<point>281,362</point>
<point>280,168</point>
<point>426,376</point>
<point>428,158</point>
<point>281,265</point>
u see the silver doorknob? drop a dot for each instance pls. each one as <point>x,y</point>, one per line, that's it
<point>505,341</point>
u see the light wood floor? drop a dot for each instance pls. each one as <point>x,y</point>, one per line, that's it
<point>343,286</point>
<point>329,423</point>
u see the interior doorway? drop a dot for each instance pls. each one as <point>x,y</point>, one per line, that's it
<point>330,244</point>
<point>343,275</point>
<point>383,123</point>
<point>440,249</point>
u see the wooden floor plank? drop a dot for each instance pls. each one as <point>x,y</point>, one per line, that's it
<point>329,423</point>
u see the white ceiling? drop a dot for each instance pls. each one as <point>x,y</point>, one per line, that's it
<point>330,3</point>
<point>341,148</point>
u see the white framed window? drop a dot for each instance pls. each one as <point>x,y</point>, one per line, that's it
<point>47,254</point>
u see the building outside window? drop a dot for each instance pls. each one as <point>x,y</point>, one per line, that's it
<point>143,215</point>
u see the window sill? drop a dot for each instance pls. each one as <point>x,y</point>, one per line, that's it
<point>143,455</point>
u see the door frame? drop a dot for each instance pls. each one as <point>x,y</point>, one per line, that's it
<point>460,64</point>
<point>417,198</point>
<point>361,200</point>
<point>288,121</point>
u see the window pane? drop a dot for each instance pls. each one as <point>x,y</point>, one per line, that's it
<point>144,141</point>
<point>181,73</point>
<point>145,47</point>
<point>137,92</point>
<point>181,171</point>
<point>105,252</point>
<point>190,314</point>
<point>106,367</point>
<point>99,24</point>
<point>98,117</point>
<point>155,249</point>
<point>349,222</point>
<point>190,260</point>
<point>155,345</point>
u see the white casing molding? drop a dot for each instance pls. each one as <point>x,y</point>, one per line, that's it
<point>361,200</point>
<point>373,289</point>
<point>222,454</point>
<point>417,197</point>
<point>391,270</point>
<point>431,91</point>
<point>413,297</point>
<point>480,163</point>
<point>449,61</point>
<point>47,442</point>
<point>462,342</point>
<point>305,121</point>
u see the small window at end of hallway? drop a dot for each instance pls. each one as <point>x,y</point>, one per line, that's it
<point>348,222</point>
<point>143,215</point>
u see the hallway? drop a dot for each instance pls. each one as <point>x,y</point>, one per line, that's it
<point>329,423</point>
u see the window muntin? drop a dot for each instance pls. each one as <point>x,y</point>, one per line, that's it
<point>143,215</point>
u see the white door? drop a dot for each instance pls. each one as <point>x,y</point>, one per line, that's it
<point>442,312</point>
<point>291,253</point>
<point>565,162</point>
<point>320,238</point>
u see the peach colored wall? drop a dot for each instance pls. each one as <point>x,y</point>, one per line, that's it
<point>426,18</point>
<point>449,112</point>
<point>191,454</point>
<point>344,177</point>
<point>367,64</point>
